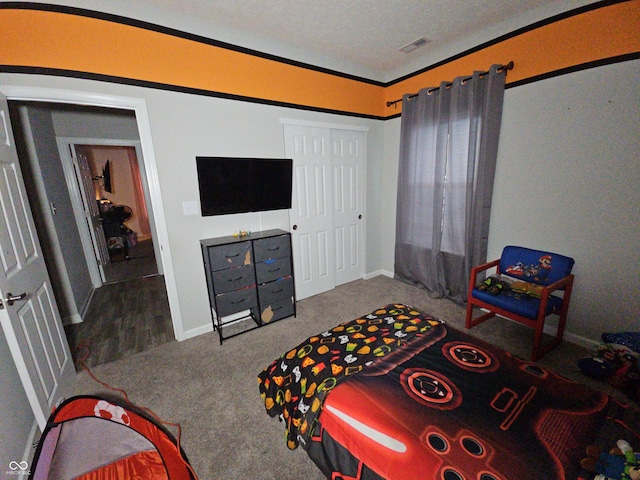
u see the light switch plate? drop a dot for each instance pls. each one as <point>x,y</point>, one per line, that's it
<point>190,208</point>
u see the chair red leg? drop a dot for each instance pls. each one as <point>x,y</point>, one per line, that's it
<point>561,324</point>
<point>470,322</point>
<point>537,340</point>
<point>467,321</point>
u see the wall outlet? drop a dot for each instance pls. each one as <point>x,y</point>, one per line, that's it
<point>190,208</point>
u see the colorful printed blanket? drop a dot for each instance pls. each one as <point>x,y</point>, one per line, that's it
<point>294,385</point>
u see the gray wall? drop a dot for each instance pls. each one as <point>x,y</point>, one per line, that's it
<point>65,237</point>
<point>568,180</point>
<point>75,122</point>
<point>39,125</point>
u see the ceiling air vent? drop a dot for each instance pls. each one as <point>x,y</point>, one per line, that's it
<point>410,47</point>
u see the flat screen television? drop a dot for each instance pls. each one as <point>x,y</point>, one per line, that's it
<point>239,185</point>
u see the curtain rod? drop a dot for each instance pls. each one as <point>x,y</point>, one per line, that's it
<point>508,66</point>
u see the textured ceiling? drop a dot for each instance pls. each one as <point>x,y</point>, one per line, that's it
<point>360,37</point>
<point>365,32</point>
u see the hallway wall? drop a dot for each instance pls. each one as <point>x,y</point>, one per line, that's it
<point>55,217</point>
<point>123,189</point>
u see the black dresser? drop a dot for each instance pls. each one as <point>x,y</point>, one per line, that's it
<point>251,274</point>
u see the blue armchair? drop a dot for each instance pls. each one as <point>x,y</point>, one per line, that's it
<point>526,293</point>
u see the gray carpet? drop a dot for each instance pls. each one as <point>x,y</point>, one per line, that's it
<point>211,390</point>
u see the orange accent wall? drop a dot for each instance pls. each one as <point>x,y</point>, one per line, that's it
<point>596,35</point>
<point>43,39</point>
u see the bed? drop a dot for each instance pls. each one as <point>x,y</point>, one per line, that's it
<point>398,394</point>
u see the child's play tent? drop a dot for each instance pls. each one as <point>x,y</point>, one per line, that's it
<point>94,438</point>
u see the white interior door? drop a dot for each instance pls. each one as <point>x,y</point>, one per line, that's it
<point>79,155</point>
<point>28,314</point>
<point>311,215</point>
<point>347,156</point>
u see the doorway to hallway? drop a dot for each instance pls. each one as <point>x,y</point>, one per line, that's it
<point>122,237</point>
<point>55,192</point>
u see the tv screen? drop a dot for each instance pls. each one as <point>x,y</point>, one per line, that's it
<point>240,185</point>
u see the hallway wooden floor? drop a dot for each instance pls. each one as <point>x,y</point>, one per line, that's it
<point>141,263</point>
<point>123,319</point>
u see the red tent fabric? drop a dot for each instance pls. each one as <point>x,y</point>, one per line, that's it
<point>99,438</point>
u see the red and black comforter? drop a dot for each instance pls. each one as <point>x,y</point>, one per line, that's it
<point>436,404</point>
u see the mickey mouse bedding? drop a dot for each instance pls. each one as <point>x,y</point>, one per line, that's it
<point>397,394</point>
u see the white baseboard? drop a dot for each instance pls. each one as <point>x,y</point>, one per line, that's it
<point>568,336</point>
<point>79,317</point>
<point>85,307</point>
<point>228,320</point>
<point>198,331</point>
<point>575,338</point>
<point>29,448</point>
<point>72,319</point>
<point>368,276</point>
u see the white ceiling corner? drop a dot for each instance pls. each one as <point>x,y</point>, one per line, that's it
<point>357,37</point>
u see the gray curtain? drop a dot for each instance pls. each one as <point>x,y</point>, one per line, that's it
<point>448,150</point>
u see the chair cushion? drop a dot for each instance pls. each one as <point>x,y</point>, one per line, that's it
<point>519,303</point>
<point>534,266</point>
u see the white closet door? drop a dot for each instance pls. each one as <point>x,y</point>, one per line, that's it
<point>347,158</point>
<point>311,216</point>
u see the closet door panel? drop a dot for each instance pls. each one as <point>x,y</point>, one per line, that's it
<point>311,215</point>
<point>348,209</point>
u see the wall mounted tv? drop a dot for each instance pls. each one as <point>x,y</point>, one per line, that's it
<point>240,185</point>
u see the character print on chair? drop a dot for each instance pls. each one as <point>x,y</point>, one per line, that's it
<point>538,272</point>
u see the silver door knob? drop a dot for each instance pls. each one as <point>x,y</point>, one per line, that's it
<point>14,298</point>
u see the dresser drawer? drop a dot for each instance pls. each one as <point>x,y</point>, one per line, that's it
<point>236,301</point>
<point>273,269</point>
<point>272,291</point>
<point>230,255</point>
<point>249,280</point>
<point>272,247</point>
<point>233,278</point>
<point>276,310</point>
